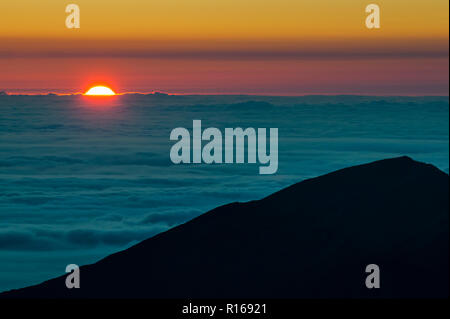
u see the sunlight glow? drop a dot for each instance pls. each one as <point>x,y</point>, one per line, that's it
<point>100,90</point>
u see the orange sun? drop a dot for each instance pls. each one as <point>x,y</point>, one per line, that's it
<point>100,90</point>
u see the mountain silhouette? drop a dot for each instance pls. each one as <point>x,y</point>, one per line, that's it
<point>313,239</point>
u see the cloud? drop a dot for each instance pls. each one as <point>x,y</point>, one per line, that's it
<point>170,218</point>
<point>41,238</point>
<point>26,240</point>
<point>92,238</point>
<point>237,54</point>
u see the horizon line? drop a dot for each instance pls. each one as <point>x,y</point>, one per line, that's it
<point>163,93</point>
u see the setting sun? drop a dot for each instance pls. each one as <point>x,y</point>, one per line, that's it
<point>100,90</point>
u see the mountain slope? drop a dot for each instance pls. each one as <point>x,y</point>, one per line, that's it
<point>313,239</point>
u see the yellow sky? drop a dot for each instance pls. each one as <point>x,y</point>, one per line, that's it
<point>232,19</point>
<point>278,46</point>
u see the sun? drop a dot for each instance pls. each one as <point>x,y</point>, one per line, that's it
<point>100,90</point>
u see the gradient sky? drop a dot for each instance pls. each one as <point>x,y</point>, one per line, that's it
<point>236,46</point>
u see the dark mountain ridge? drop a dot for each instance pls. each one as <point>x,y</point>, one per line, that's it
<point>313,239</point>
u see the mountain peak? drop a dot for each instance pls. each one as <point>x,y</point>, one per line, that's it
<point>313,239</point>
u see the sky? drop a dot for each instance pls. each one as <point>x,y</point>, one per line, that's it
<point>276,47</point>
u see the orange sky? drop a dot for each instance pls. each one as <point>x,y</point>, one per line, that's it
<point>233,46</point>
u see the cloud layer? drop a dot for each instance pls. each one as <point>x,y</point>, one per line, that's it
<point>79,182</point>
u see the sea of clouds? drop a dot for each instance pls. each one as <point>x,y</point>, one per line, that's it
<point>80,179</point>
